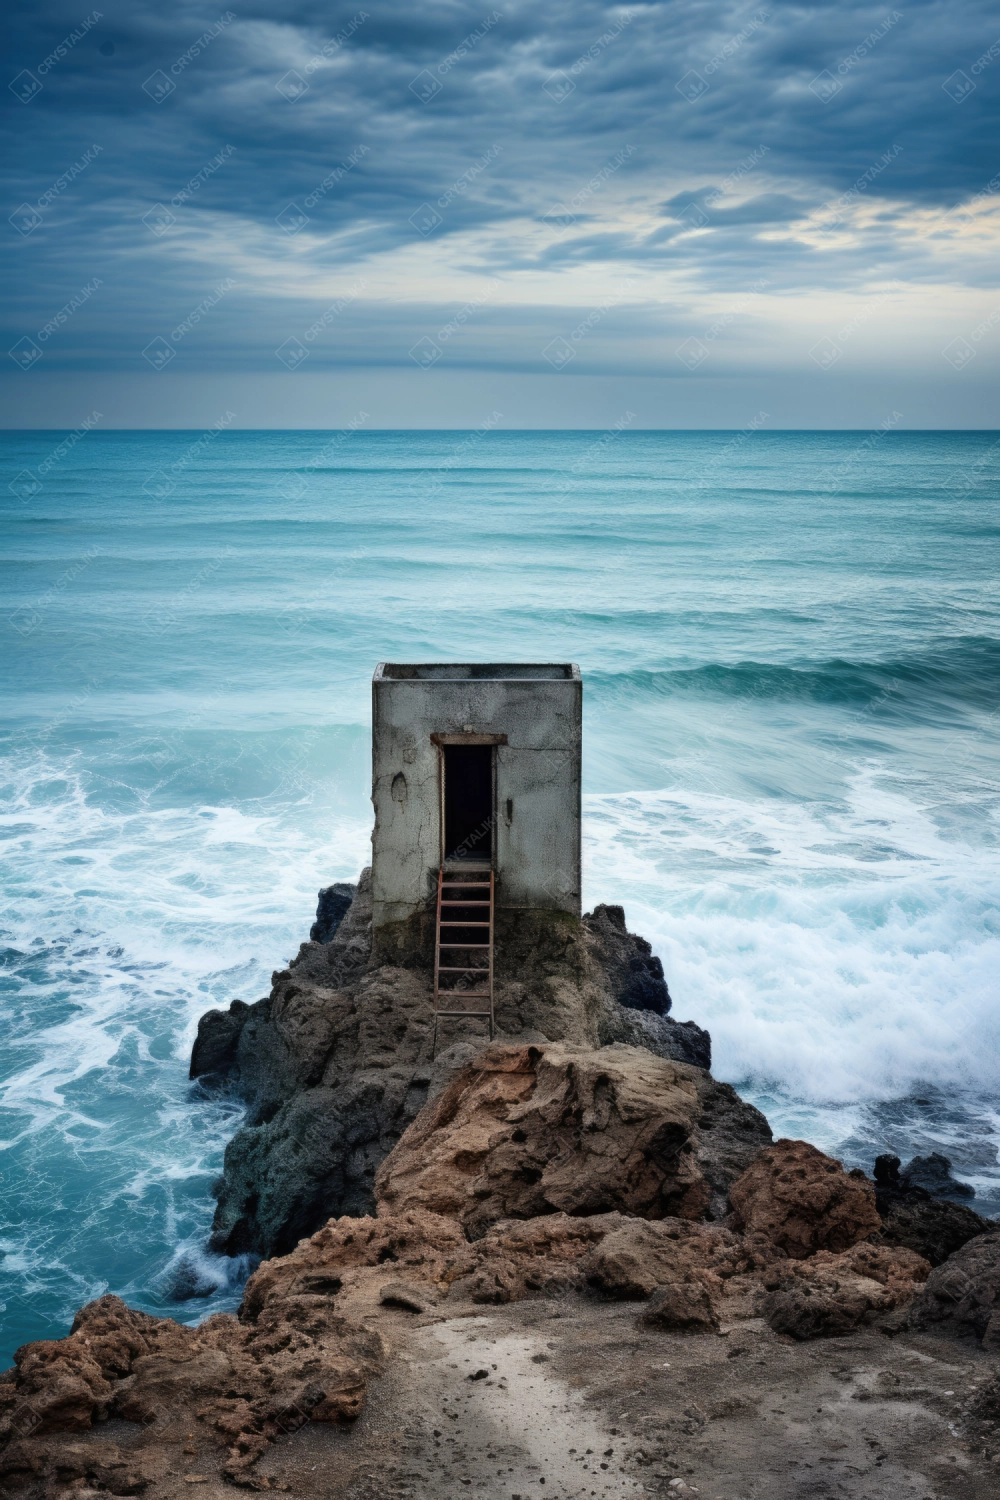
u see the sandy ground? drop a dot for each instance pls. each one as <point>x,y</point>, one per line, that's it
<point>578,1402</point>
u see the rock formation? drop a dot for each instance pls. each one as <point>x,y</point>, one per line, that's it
<point>237,1384</point>
<point>525,1131</point>
<point>585,1154</point>
<point>935,1227</point>
<point>336,1063</point>
<point>831,1294</point>
<point>803,1201</point>
<point>964,1292</point>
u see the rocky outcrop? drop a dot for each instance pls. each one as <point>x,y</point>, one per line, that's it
<point>828,1295</point>
<point>332,907</point>
<point>932,1175</point>
<point>215,1050</point>
<point>531,1130</point>
<point>611,1126</point>
<point>965,1292</point>
<point>935,1227</point>
<point>635,975</point>
<point>238,1385</point>
<point>336,1063</point>
<point>802,1200</point>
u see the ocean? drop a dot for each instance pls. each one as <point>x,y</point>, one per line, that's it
<point>791,662</point>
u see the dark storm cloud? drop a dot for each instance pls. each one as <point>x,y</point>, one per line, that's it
<point>318,136</point>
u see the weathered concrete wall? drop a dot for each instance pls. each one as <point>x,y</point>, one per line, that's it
<point>536,849</point>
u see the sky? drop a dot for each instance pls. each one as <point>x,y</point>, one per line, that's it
<point>543,215</point>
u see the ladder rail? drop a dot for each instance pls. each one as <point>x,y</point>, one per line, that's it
<point>447,896</point>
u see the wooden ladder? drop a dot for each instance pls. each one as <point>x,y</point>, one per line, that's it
<point>464,905</point>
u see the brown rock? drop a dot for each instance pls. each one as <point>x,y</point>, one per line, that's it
<point>830,1294</point>
<point>681,1307</point>
<point>527,1131</point>
<point>637,1257</point>
<point>295,1360</point>
<point>803,1201</point>
<point>59,1387</point>
<point>418,1246</point>
<point>102,1464</point>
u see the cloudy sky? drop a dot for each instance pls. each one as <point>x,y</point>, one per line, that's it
<point>558,212</point>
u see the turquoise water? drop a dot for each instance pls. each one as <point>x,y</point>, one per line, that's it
<point>791,658</point>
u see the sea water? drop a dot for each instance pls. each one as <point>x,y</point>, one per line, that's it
<point>789,645</point>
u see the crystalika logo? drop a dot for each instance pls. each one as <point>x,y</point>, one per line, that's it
<point>159,219</point>
<point>25,486</point>
<point>292,85</point>
<point>25,218</point>
<point>426,86</point>
<point>692,86</point>
<point>825,86</point>
<point>559,353</point>
<point>158,86</point>
<point>426,219</point>
<point>25,353</point>
<point>291,219</point>
<point>292,353</point>
<point>159,353</point>
<point>25,86</point>
<point>425,353</point>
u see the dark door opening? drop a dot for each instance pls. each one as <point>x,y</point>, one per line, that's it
<point>468,802</point>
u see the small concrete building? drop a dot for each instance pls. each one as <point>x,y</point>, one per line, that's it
<point>475,765</point>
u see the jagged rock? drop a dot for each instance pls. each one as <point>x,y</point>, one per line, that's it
<point>678,1041</point>
<point>526,1131</point>
<point>243,1382</point>
<point>635,975</point>
<point>216,1044</point>
<point>101,1465</point>
<point>828,1294</point>
<point>934,1227</point>
<point>965,1292</point>
<point>804,1201</point>
<point>933,1174</point>
<point>681,1307</point>
<point>336,1063</point>
<point>333,903</point>
<point>637,1256</point>
<point>430,1258</point>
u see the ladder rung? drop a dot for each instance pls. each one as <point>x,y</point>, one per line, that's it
<point>450,997</point>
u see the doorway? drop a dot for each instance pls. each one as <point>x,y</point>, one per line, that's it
<point>468,802</point>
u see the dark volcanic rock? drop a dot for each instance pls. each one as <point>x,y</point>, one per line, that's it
<point>635,975</point>
<point>214,1050</point>
<point>334,901</point>
<point>965,1292</point>
<point>934,1227</point>
<point>933,1174</point>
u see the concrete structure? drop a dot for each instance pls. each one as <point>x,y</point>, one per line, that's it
<point>476,765</point>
